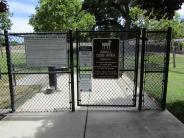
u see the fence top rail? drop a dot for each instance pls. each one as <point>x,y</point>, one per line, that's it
<point>38,33</point>
<point>131,31</point>
<point>156,31</point>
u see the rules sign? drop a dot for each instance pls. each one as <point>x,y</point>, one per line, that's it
<point>105,58</point>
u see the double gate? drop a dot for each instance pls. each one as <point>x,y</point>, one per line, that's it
<point>30,84</point>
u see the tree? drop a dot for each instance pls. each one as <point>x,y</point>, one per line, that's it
<point>3,6</point>
<point>61,15</point>
<point>115,14</point>
<point>109,13</point>
<point>140,20</point>
<point>159,9</point>
<point>5,22</point>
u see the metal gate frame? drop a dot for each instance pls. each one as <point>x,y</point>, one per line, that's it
<point>11,73</point>
<point>164,72</point>
<point>135,70</point>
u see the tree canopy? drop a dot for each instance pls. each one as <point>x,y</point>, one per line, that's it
<point>3,6</point>
<point>118,14</point>
<point>5,22</point>
<point>61,15</point>
<point>160,9</point>
<point>109,13</point>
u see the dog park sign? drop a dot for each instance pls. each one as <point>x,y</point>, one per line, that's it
<point>105,58</point>
<point>46,50</point>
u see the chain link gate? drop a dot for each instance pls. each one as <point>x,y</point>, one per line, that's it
<point>154,69</point>
<point>39,89</point>
<point>28,84</point>
<point>115,92</point>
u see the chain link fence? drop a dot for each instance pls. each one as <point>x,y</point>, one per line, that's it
<point>154,69</point>
<point>32,87</point>
<point>25,87</point>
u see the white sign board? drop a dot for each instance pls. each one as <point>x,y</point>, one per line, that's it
<point>85,83</point>
<point>85,56</point>
<point>46,50</point>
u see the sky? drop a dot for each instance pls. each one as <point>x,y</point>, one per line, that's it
<point>22,9</point>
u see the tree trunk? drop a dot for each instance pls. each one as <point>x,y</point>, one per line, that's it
<point>174,55</point>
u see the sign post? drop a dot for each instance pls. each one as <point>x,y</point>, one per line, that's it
<point>105,58</point>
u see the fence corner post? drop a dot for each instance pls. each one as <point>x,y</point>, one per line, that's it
<point>142,69</point>
<point>168,41</point>
<point>10,74</point>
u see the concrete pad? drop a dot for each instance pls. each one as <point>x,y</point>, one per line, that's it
<point>43,125</point>
<point>147,124</point>
<point>41,101</point>
<point>33,79</point>
<point>109,92</point>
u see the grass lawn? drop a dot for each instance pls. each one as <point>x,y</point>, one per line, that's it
<point>175,95</point>
<point>21,91</point>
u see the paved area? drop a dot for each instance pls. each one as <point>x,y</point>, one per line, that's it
<point>94,124</point>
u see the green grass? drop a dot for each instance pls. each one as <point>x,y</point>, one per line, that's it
<point>153,81</point>
<point>22,92</point>
<point>19,62</point>
<point>18,59</point>
<point>175,94</point>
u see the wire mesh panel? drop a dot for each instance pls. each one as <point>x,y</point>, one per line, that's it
<point>36,87</point>
<point>5,104</point>
<point>154,69</point>
<point>94,91</point>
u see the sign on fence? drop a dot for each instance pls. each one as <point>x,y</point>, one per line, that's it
<point>85,56</point>
<point>46,50</point>
<point>85,83</point>
<point>105,58</point>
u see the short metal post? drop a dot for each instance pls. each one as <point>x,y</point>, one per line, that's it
<point>72,71</point>
<point>142,69</point>
<point>10,75</point>
<point>166,70</point>
<point>52,77</point>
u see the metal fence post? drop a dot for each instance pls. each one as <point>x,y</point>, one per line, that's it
<point>10,74</point>
<point>77,66</point>
<point>72,70</point>
<point>136,64</point>
<point>142,69</point>
<point>168,39</point>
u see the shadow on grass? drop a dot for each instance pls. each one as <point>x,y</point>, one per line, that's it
<point>2,116</point>
<point>177,109</point>
<point>177,72</point>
